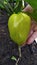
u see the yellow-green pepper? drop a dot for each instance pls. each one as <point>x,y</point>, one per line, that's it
<point>19,27</point>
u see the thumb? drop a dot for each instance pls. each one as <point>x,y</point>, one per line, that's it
<point>28,8</point>
<point>32,38</point>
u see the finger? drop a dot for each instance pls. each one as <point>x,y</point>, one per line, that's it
<point>32,38</point>
<point>28,8</point>
<point>35,29</point>
<point>34,25</point>
<point>32,29</point>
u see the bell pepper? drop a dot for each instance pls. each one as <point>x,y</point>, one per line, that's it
<point>19,27</point>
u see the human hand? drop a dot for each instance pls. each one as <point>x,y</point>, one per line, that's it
<point>33,32</point>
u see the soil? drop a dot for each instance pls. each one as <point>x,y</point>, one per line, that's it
<point>9,48</point>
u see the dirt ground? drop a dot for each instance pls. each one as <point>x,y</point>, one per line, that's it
<point>8,48</point>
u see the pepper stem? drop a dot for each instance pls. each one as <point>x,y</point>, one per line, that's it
<point>19,48</point>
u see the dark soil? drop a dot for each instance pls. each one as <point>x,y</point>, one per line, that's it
<point>8,48</point>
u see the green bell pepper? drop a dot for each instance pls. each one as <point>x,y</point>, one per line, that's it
<point>19,27</point>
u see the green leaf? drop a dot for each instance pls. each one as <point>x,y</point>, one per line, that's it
<point>33,3</point>
<point>15,7</point>
<point>1,6</point>
<point>13,58</point>
<point>5,2</point>
<point>18,6</point>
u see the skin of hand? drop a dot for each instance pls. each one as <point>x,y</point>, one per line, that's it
<point>28,8</point>
<point>33,32</point>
